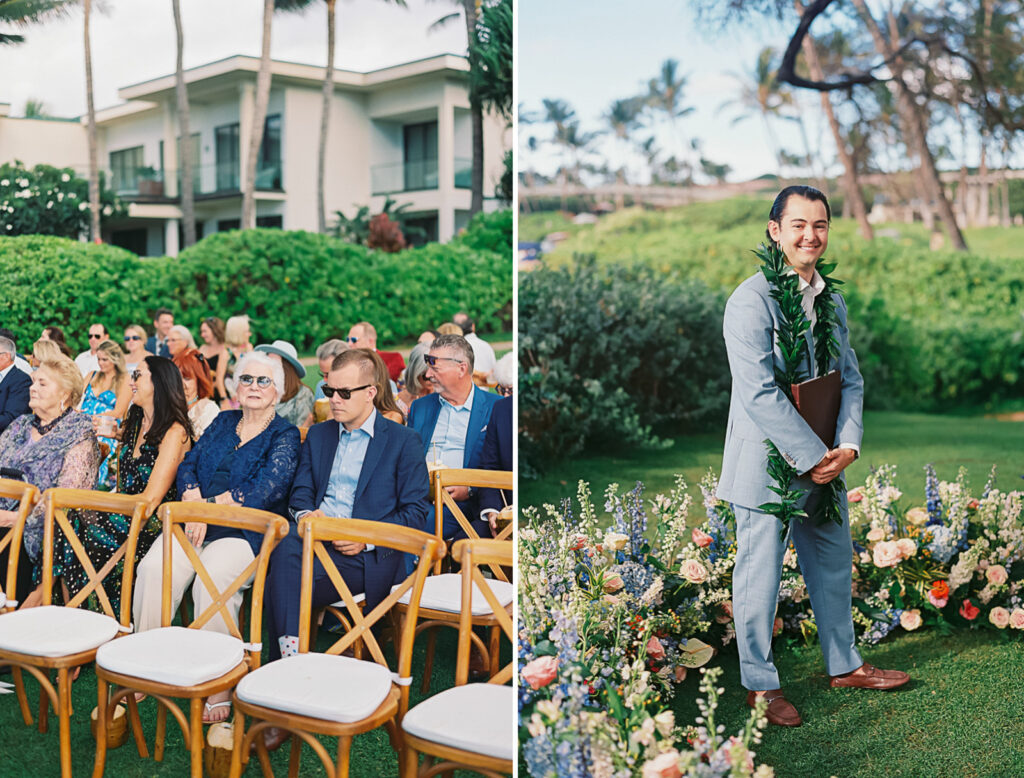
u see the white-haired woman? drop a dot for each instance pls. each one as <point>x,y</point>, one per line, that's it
<point>246,457</point>
<point>178,339</point>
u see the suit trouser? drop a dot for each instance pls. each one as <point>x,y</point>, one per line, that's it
<point>284,583</point>
<point>224,559</point>
<point>825,554</point>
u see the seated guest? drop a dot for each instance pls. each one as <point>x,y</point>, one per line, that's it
<point>213,351</point>
<point>20,362</point>
<point>134,345</point>
<point>427,336</point>
<point>452,421</point>
<point>505,374</point>
<point>415,381</point>
<point>43,350</point>
<point>364,335</point>
<point>384,399</point>
<point>107,394</point>
<point>497,455</point>
<point>56,334</point>
<point>325,354</point>
<point>245,457</point>
<point>14,385</point>
<point>296,404</point>
<point>357,465</point>
<point>157,434</point>
<point>449,328</point>
<point>163,320</point>
<point>178,339</point>
<point>86,361</point>
<point>483,352</point>
<point>198,384</point>
<point>236,338</point>
<point>55,445</point>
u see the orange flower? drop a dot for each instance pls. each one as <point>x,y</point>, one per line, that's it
<point>940,589</point>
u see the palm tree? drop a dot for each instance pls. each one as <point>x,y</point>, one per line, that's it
<point>35,109</point>
<point>560,114</point>
<point>623,118</point>
<point>759,94</point>
<point>22,13</point>
<point>665,94</point>
<point>259,118</point>
<point>94,171</point>
<point>188,208</point>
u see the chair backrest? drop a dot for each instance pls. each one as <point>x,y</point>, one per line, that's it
<point>303,431</point>
<point>471,554</point>
<point>315,533</point>
<point>273,528</point>
<point>448,476</point>
<point>27,496</point>
<point>57,502</point>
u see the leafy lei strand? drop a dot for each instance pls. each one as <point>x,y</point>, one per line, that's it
<point>784,288</point>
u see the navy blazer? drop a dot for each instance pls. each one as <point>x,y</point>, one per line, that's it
<point>497,453</point>
<point>151,347</point>
<point>393,487</point>
<point>13,396</point>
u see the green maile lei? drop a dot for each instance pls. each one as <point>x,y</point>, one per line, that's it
<point>784,285</point>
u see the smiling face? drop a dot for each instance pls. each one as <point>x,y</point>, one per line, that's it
<point>206,333</point>
<point>175,344</point>
<point>802,232</point>
<point>142,385</point>
<point>163,324</point>
<point>105,362</point>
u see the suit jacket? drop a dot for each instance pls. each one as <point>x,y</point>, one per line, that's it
<point>13,396</point>
<point>760,411</point>
<point>393,487</point>
<point>163,351</point>
<point>497,452</point>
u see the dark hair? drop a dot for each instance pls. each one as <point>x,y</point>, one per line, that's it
<point>292,382</point>
<point>806,192</point>
<point>56,334</point>
<point>169,404</point>
<point>162,312</point>
<point>101,325</point>
<point>216,327</point>
<point>384,400</point>
<point>464,321</point>
<point>193,364</point>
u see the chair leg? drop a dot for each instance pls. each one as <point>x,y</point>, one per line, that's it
<point>428,664</point>
<point>44,709</point>
<point>102,709</point>
<point>160,741</point>
<point>409,759</point>
<point>195,737</point>
<point>237,735</point>
<point>64,720</point>
<point>136,722</point>
<point>19,688</point>
<point>294,756</point>
<point>344,751</point>
<point>264,756</point>
<point>495,648</point>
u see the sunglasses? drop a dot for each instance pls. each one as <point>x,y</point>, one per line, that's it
<point>505,391</point>
<point>130,337</point>
<point>350,339</point>
<point>94,337</point>
<point>345,394</point>
<point>135,374</point>
<point>262,381</point>
<point>432,361</point>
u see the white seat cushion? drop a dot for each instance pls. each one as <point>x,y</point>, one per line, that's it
<point>444,593</point>
<point>361,597</point>
<point>173,655</point>
<point>477,717</point>
<point>324,686</point>
<point>52,630</point>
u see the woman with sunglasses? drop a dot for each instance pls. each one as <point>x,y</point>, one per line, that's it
<point>246,457</point>
<point>134,346</point>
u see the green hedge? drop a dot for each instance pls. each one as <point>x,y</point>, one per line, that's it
<point>299,286</point>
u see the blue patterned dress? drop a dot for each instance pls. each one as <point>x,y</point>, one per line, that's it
<point>95,405</point>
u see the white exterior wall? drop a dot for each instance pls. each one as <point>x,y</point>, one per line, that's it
<point>142,129</point>
<point>42,142</point>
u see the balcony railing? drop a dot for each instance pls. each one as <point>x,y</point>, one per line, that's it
<point>218,178</point>
<point>403,176</point>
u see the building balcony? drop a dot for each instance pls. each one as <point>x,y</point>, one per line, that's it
<point>416,176</point>
<point>209,181</point>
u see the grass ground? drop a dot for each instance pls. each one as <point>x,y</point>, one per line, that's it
<point>25,753</point>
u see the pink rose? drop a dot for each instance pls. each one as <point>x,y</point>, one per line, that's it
<point>1017,618</point>
<point>724,615</point>
<point>875,534</point>
<point>694,572</point>
<point>918,516</point>
<point>701,538</point>
<point>613,583</point>
<point>664,765</point>
<point>1000,617</point>
<point>938,602</point>
<point>611,599</point>
<point>855,495</point>
<point>655,650</point>
<point>681,671</point>
<point>540,671</point>
<point>906,547</point>
<point>910,619</point>
<point>996,575</point>
<point>886,554</point>
<point>777,626</point>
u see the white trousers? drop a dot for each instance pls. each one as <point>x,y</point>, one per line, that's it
<point>223,559</point>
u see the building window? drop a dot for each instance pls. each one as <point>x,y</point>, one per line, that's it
<point>261,221</point>
<point>134,241</point>
<point>124,169</point>
<point>197,169</point>
<point>228,224</point>
<point>228,153</point>
<point>226,150</point>
<point>421,229</point>
<point>268,168</point>
<point>420,155</point>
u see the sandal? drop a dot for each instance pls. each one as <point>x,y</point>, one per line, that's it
<point>208,708</point>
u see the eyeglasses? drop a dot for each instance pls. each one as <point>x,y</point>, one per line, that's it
<point>432,360</point>
<point>345,394</point>
<point>262,381</point>
<point>135,374</point>
<point>94,337</point>
<point>129,337</point>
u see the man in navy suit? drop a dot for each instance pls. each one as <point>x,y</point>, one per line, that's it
<point>452,422</point>
<point>358,465</point>
<point>14,385</point>
<point>497,455</point>
<point>156,344</point>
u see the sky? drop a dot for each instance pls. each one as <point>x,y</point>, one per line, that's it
<point>134,41</point>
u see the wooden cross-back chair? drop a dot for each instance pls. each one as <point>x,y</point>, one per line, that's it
<point>62,638</point>
<point>27,496</point>
<point>187,662</point>
<point>472,725</point>
<point>444,477</point>
<point>330,694</point>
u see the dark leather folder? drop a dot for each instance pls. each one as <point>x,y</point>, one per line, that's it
<point>817,400</point>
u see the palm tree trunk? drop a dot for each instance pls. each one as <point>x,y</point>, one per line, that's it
<point>325,116</point>
<point>259,118</point>
<point>477,117</point>
<point>94,171</point>
<point>187,193</point>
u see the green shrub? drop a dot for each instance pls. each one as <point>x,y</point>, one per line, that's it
<point>608,354</point>
<point>489,232</point>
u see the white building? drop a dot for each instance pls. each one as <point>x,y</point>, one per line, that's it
<point>402,131</point>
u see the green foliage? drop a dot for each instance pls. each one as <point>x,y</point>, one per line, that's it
<point>489,232</point>
<point>358,229</point>
<point>299,286</point>
<point>609,354</point>
<point>47,200</point>
<point>490,58</point>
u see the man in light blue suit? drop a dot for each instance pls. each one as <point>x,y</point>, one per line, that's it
<point>760,411</point>
<point>452,422</point>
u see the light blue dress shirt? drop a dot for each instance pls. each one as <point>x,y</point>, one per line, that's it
<point>449,438</point>
<point>348,464</point>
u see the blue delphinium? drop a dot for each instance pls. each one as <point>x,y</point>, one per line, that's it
<point>718,528</point>
<point>636,579</point>
<point>931,492</point>
<point>879,629</point>
<point>944,544</point>
<point>637,519</point>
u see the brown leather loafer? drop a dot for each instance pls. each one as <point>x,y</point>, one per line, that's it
<point>780,711</point>
<point>273,739</point>
<point>870,677</point>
